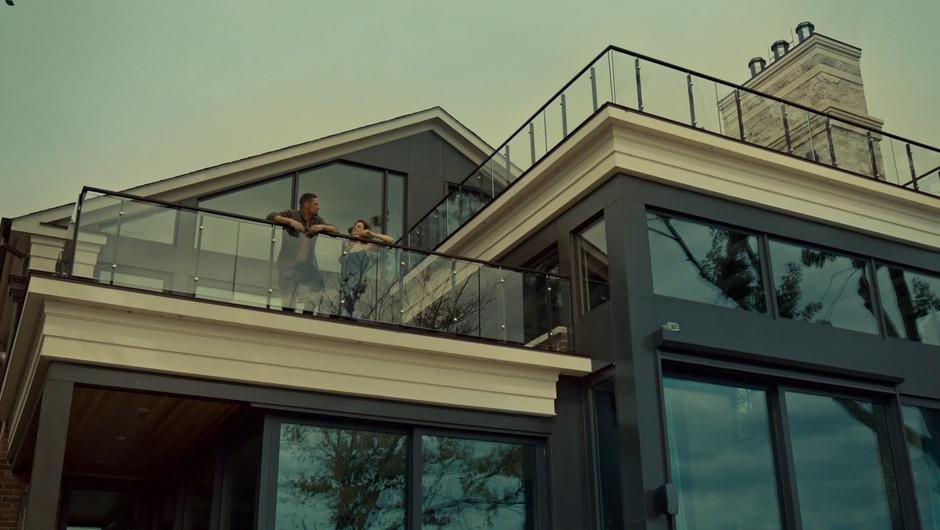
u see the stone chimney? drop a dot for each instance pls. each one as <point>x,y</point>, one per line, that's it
<point>820,73</point>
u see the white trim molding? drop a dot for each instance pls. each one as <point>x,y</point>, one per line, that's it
<point>619,141</point>
<point>97,325</point>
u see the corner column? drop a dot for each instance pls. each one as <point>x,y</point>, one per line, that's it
<point>46,477</point>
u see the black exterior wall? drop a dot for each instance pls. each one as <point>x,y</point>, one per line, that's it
<point>628,329</point>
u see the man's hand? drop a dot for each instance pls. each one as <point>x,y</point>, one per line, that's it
<point>317,229</point>
<point>295,224</point>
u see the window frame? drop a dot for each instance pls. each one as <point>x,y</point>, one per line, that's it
<point>412,431</point>
<point>869,271</point>
<point>693,367</point>
<point>923,403</point>
<point>875,262</point>
<point>583,298</point>
<point>767,272</point>
<point>294,175</point>
<point>766,278</point>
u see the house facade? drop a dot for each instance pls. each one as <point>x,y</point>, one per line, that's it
<point>666,302</point>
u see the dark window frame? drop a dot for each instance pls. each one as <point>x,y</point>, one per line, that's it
<point>770,302</point>
<point>767,273</point>
<point>294,175</point>
<point>412,431</point>
<point>870,272</point>
<point>875,262</point>
<point>689,366</point>
<point>579,277</point>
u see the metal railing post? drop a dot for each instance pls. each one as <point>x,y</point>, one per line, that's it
<point>508,172</point>
<point>532,141</point>
<point>737,104</point>
<point>271,265</point>
<point>639,85</point>
<point>786,128</point>
<point>594,88</point>
<point>613,80</point>
<point>688,78</point>
<point>871,152</point>
<point>832,147</point>
<point>76,226</point>
<point>910,162</point>
<point>564,117</point>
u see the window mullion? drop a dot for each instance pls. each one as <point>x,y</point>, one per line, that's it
<point>783,456</point>
<point>907,491</point>
<point>413,482</point>
<point>767,271</point>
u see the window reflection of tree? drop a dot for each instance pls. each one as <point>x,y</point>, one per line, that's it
<point>355,479</point>
<point>913,302</point>
<point>474,484</point>
<point>731,264</point>
<point>791,286</point>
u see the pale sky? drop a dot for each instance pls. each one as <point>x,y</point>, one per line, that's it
<point>119,93</point>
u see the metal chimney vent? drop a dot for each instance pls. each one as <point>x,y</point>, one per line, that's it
<point>780,48</point>
<point>804,30</point>
<point>756,65</point>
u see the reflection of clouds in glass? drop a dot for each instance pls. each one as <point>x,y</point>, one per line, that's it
<point>923,442</point>
<point>840,454</point>
<point>472,484</point>
<point>817,286</point>
<point>720,450</point>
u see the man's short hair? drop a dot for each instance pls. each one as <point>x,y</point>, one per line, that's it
<point>306,198</point>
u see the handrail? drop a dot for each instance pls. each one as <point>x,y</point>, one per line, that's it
<point>221,213</point>
<point>876,133</point>
<point>514,133</point>
<point>768,96</point>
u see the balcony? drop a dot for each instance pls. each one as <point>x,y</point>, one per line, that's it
<point>638,83</point>
<point>136,243</point>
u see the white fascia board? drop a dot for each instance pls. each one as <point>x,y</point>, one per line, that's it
<point>620,141</point>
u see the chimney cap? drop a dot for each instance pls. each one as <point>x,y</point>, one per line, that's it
<point>804,30</point>
<point>780,48</point>
<point>756,66</point>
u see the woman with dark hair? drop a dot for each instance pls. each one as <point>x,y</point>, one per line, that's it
<point>355,263</point>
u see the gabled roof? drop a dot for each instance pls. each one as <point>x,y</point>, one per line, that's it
<point>260,166</point>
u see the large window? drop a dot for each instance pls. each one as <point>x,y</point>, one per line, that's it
<point>254,201</point>
<point>843,464</point>
<point>350,192</point>
<point>819,286</point>
<point>832,453</point>
<point>911,304</point>
<point>705,263</point>
<point>721,455</point>
<point>592,265</point>
<point>347,192</point>
<point>340,478</point>
<point>723,266</point>
<point>332,477</point>
<point>922,429</point>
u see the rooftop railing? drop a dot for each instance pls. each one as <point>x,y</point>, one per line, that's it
<point>640,83</point>
<point>133,242</point>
